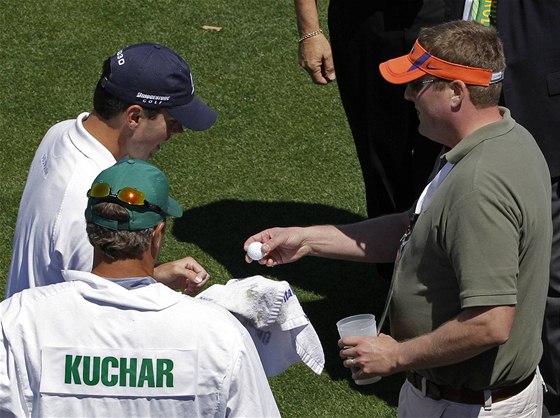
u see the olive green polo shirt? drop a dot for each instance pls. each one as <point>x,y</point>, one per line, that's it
<point>484,239</point>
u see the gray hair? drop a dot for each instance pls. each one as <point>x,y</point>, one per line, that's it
<point>121,244</point>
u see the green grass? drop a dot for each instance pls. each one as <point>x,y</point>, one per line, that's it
<point>280,154</point>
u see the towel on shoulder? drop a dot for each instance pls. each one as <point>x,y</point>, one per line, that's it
<point>272,314</point>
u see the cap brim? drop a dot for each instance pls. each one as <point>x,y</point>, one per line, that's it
<point>400,70</point>
<point>195,115</point>
<point>173,208</point>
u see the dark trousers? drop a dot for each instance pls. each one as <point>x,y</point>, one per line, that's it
<point>550,362</point>
<point>395,159</point>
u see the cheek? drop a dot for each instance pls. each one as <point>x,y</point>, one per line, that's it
<point>430,109</point>
<point>153,134</point>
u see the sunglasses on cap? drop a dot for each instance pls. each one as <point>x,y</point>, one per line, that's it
<point>128,195</point>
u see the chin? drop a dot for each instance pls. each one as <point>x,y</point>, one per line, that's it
<point>143,156</point>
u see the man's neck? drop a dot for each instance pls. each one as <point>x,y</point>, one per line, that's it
<point>107,132</point>
<point>476,119</point>
<point>122,269</point>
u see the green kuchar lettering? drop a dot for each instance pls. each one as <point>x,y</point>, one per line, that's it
<point>106,379</point>
<point>146,374</point>
<point>91,373</point>
<point>110,371</point>
<point>164,369</point>
<point>130,371</point>
<point>72,374</point>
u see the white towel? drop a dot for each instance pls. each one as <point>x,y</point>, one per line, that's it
<point>272,314</point>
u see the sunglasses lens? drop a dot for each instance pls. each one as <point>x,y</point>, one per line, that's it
<point>416,85</point>
<point>131,196</point>
<point>100,190</point>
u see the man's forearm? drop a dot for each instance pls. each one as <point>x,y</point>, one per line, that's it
<point>373,240</point>
<point>307,16</point>
<point>474,331</point>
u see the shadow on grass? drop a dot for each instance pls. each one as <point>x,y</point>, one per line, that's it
<point>347,288</point>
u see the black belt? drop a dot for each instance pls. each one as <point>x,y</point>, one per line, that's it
<point>474,397</point>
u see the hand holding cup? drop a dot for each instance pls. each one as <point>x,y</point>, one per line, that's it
<point>359,325</point>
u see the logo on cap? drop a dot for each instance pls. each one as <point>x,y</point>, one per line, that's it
<point>151,99</point>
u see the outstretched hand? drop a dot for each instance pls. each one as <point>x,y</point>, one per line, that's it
<point>280,246</point>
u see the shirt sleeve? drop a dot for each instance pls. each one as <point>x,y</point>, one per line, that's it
<point>11,400</point>
<point>482,237</point>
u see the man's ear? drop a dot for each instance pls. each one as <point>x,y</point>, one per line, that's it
<point>459,93</point>
<point>158,235</point>
<point>133,115</point>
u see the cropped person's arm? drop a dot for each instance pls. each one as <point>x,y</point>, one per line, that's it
<point>315,54</point>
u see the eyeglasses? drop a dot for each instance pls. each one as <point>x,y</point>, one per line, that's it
<point>128,195</point>
<point>417,85</point>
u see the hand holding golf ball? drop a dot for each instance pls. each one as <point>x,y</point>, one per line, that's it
<point>255,251</point>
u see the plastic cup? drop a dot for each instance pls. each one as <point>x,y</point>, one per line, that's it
<point>359,325</point>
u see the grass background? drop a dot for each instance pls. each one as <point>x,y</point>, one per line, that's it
<point>280,153</point>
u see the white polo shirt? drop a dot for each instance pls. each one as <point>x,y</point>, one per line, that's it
<point>90,347</point>
<point>50,233</point>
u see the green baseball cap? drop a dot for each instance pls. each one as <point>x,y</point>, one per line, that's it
<point>139,187</point>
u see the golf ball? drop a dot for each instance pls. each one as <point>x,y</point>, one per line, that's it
<point>254,251</point>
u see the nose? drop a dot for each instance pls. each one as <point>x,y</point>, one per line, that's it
<point>409,93</point>
<point>176,128</point>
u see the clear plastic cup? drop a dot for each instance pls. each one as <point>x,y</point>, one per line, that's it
<point>359,325</point>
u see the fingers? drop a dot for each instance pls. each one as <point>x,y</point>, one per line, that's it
<point>328,69</point>
<point>266,260</point>
<point>318,78</point>
<point>185,274</point>
<point>262,236</point>
<point>315,56</point>
<point>201,274</point>
<point>195,283</point>
<point>195,276</point>
<point>321,74</point>
<point>350,362</point>
<point>269,244</point>
<point>347,353</point>
<point>281,245</point>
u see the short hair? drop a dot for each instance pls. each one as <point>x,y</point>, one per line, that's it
<point>121,244</point>
<point>106,105</point>
<point>472,44</point>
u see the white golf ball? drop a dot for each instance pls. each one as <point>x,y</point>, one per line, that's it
<point>254,251</point>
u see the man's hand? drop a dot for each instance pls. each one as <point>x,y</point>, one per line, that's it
<point>315,56</point>
<point>369,356</point>
<point>184,274</point>
<point>280,245</point>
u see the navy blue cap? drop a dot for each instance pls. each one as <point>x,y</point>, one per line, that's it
<point>154,76</point>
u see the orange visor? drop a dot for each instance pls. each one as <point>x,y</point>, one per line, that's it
<point>420,62</point>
